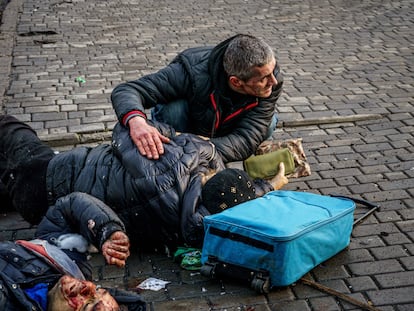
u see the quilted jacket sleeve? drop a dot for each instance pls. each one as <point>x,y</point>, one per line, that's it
<point>80,213</point>
<point>163,86</point>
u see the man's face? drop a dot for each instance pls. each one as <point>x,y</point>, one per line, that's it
<point>262,83</point>
<point>71,294</point>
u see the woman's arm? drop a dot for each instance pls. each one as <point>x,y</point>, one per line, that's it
<point>276,182</point>
<point>83,214</point>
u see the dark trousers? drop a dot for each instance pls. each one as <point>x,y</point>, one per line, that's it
<point>23,165</point>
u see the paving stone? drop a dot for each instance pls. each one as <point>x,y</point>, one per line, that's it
<point>303,291</point>
<point>112,272</point>
<point>392,280</point>
<point>386,195</point>
<point>317,184</point>
<point>379,266</point>
<point>351,255</point>
<point>359,297</point>
<point>405,307</point>
<point>369,178</point>
<point>408,262</point>
<point>361,283</point>
<point>393,205</point>
<point>366,242</point>
<point>324,303</point>
<point>189,304</point>
<point>361,189</point>
<point>279,294</point>
<point>390,216</point>
<point>341,173</point>
<point>244,301</point>
<point>179,291</point>
<point>298,305</point>
<point>346,181</point>
<point>406,226</point>
<point>397,184</point>
<point>86,128</point>
<point>392,296</point>
<point>396,238</point>
<point>371,229</point>
<point>388,252</point>
<point>326,271</point>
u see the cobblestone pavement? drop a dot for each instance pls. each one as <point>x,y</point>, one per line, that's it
<point>349,81</point>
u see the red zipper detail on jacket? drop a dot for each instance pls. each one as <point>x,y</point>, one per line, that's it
<point>231,116</point>
<point>249,106</point>
<point>213,101</point>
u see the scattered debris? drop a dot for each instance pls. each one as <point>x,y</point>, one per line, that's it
<point>153,284</point>
<point>80,79</point>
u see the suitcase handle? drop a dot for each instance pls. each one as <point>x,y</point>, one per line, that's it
<point>372,205</point>
<point>356,200</point>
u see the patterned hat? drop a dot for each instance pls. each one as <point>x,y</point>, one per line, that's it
<point>227,189</point>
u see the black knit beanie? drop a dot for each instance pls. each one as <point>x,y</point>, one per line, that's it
<point>227,189</point>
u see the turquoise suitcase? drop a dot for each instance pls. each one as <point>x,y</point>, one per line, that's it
<point>276,239</point>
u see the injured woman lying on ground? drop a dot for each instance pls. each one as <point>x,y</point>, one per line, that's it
<point>161,202</point>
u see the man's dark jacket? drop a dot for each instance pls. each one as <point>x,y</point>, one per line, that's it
<point>158,200</point>
<point>22,268</point>
<point>236,123</point>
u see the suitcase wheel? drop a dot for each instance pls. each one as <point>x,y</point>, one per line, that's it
<point>260,280</point>
<point>207,270</point>
<point>260,285</point>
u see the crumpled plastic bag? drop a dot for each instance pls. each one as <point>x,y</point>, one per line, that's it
<point>190,258</point>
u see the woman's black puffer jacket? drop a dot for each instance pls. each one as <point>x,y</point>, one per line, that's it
<point>236,123</point>
<point>158,200</point>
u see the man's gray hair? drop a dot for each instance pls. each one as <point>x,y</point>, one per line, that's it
<point>244,53</point>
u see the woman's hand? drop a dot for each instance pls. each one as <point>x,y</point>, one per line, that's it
<point>116,249</point>
<point>280,179</point>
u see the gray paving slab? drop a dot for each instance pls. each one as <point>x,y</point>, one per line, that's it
<point>349,82</point>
